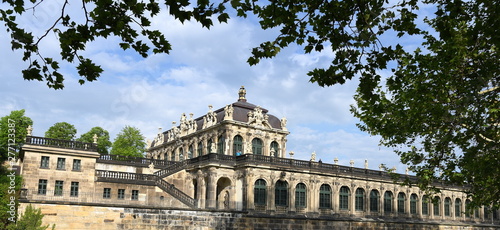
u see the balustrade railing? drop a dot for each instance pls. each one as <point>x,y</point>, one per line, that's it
<point>139,161</point>
<point>50,142</point>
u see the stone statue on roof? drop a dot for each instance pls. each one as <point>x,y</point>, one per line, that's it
<point>228,112</point>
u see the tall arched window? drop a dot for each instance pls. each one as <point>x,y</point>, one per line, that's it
<point>281,193</point>
<point>467,208</point>
<point>172,156</point>
<point>458,207</point>
<point>259,192</point>
<point>413,203</point>
<point>237,145</point>
<point>344,198</point>
<point>209,146</point>
<point>388,202</point>
<point>359,203</point>
<point>200,148</point>
<point>190,152</point>
<point>221,145</point>
<point>257,146</point>
<point>374,199</point>
<point>425,205</point>
<point>401,202</point>
<point>300,195</point>
<point>325,196</point>
<point>447,203</point>
<point>274,148</point>
<point>436,205</point>
<point>181,154</point>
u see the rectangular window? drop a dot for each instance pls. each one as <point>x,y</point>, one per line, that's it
<point>58,190</point>
<point>74,189</point>
<point>107,193</point>
<point>45,162</point>
<point>42,187</point>
<point>77,164</point>
<point>135,194</point>
<point>61,163</point>
<point>121,193</point>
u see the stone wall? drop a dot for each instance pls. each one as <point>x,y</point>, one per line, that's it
<point>78,217</point>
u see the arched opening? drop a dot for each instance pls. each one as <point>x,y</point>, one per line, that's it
<point>374,200</point>
<point>237,145</point>
<point>281,193</point>
<point>300,195</point>
<point>447,204</point>
<point>401,202</point>
<point>223,198</point>
<point>181,154</point>
<point>260,192</point>
<point>274,150</point>
<point>221,145</point>
<point>257,146</point>
<point>413,203</point>
<point>425,205</point>
<point>388,202</point>
<point>458,207</point>
<point>436,203</point>
<point>200,149</point>
<point>344,198</point>
<point>359,203</point>
<point>190,152</point>
<point>325,196</point>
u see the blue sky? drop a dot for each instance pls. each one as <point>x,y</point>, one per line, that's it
<point>205,67</point>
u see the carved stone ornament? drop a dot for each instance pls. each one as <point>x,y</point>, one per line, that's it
<point>228,112</point>
<point>258,119</point>
<point>283,124</point>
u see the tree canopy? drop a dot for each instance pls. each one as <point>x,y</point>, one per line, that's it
<point>129,142</point>
<point>13,130</point>
<point>103,143</point>
<point>437,102</point>
<point>61,130</point>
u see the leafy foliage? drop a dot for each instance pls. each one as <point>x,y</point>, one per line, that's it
<point>30,220</point>
<point>129,142</point>
<point>13,130</point>
<point>62,131</point>
<point>103,143</point>
<point>9,189</point>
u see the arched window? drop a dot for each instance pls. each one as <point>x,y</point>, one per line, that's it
<point>374,196</point>
<point>425,205</point>
<point>467,208</point>
<point>344,198</point>
<point>237,145</point>
<point>172,156</point>
<point>221,145</point>
<point>325,196</point>
<point>181,154</point>
<point>360,199</point>
<point>209,146</point>
<point>281,193</point>
<point>274,148</point>
<point>388,202</point>
<point>447,203</point>
<point>257,146</point>
<point>200,148</point>
<point>190,152</point>
<point>458,207</point>
<point>401,202</point>
<point>413,203</point>
<point>300,195</point>
<point>259,192</point>
<point>436,205</point>
<point>165,156</point>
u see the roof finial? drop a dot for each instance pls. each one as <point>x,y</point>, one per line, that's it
<point>242,92</point>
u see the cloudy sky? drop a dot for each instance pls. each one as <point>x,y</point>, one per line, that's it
<point>205,67</point>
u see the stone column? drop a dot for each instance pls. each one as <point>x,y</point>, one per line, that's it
<point>270,195</point>
<point>201,191</point>
<point>211,189</point>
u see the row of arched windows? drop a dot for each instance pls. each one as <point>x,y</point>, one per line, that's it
<point>374,200</point>
<point>237,149</point>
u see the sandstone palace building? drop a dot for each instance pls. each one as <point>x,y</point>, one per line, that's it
<point>228,169</point>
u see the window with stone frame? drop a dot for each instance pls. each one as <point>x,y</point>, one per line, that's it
<point>106,194</point>
<point>281,193</point>
<point>260,192</point>
<point>325,196</point>
<point>237,145</point>
<point>425,205</point>
<point>181,154</point>
<point>74,189</point>
<point>436,203</point>
<point>209,146</point>
<point>388,202</point>
<point>121,193</point>
<point>300,195</point>
<point>61,163</point>
<point>374,200</point>
<point>190,152</point>
<point>257,146</point>
<point>58,189</point>
<point>135,195</point>
<point>200,148</point>
<point>359,200</point>
<point>447,204</point>
<point>77,165</point>
<point>44,163</point>
<point>458,207</point>
<point>221,145</point>
<point>401,202</point>
<point>344,198</point>
<point>42,187</point>
<point>274,147</point>
<point>413,203</point>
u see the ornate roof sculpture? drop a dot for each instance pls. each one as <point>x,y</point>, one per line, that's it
<point>240,112</point>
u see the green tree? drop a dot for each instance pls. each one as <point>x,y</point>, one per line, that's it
<point>129,142</point>
<point>103,143</point>
<point>13,130</point>
<point>62,131</point>
<point>9,194</point>
<point>30,220</point>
